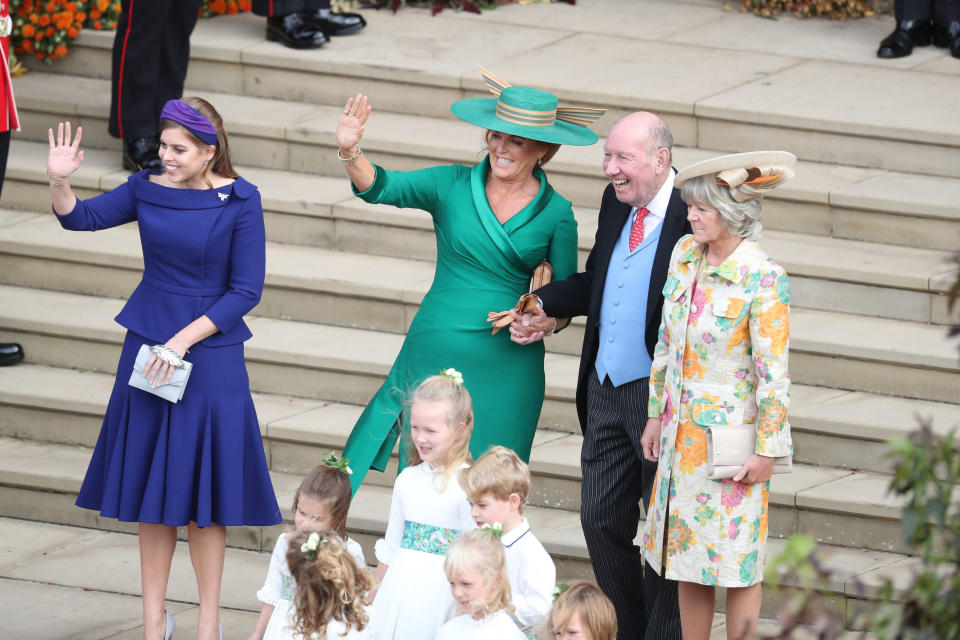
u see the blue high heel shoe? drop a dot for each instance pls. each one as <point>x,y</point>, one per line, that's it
<point>170,626</point>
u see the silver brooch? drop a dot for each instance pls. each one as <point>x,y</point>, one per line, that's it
<point>222,196</point>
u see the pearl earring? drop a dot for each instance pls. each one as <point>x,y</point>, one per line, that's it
<point>539,162</point>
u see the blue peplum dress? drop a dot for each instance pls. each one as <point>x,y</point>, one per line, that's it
<point>200,460</point>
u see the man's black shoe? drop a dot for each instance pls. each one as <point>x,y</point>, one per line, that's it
<point>946,35</point>
<point>10,353</point>
<point>295,30</point>
<point>141,153</point>
<point>337,24</point>
<point>907,35</point>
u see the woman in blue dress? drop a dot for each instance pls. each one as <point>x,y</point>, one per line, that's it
<point>198,462</point>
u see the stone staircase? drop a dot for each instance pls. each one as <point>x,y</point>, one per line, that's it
<point>865,232</point>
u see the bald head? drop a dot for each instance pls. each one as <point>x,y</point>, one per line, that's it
<point>637,157</point>
<point>646,130</point>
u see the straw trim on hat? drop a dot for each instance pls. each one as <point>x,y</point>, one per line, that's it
<point>527,112</point>
<point>747,175</point>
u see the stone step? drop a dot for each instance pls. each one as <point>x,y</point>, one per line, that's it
<point>54,567</point>
<point>347,365</point>
<point>40,480</point>
<point>825,199</point>
<point>353,289</point>
<point>712,92</point>
<point>831,428</point>
<point>66,406</point>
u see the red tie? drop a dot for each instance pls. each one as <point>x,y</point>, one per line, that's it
<point>636,233</point>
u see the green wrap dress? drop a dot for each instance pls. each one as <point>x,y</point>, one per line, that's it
<point>482,266</point>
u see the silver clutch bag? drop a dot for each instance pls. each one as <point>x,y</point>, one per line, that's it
<point>728,447</point>
<point>172,391</point>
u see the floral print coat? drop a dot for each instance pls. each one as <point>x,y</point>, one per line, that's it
<point>721,360</point>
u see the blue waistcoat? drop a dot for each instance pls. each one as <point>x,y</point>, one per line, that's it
<point>622,354</point>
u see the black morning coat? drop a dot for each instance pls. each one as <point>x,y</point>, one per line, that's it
<point>582,293</point>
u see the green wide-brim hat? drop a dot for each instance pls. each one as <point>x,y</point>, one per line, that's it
<point>529,113</point>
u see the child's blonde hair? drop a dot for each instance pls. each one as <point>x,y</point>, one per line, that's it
<point>483,551</point>
<point>330,586</point>
<point>498,473</point>
<point>444,388</point>
<point>597,615</point>
<point>331,486</point>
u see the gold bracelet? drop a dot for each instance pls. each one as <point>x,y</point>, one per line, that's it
<point>350,160</point>
<point>56,180</point>
<point>554,330</point>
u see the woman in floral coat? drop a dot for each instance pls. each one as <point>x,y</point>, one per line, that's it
<point>721,360</point>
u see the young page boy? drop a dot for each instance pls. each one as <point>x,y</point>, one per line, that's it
<point>497,486</point>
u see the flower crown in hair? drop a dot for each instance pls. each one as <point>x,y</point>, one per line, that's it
<point>453,374</point>
<point>309,547</point>
<point>559,590</point>
<point>496,529</point>
<point>338,462</point>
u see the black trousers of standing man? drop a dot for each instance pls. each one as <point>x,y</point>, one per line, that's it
<point>616,480</point>
<point>937,10</point>
<point>275,8</point>
<point>151,50</point>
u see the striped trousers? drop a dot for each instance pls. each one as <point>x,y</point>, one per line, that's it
<point>616,479</point>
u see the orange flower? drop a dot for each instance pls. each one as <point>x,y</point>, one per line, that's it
<point>775,324</point>
<point>34,18</point>
<point>94,14</point>
<point>81,17</point>
<point>28,31</point>
<point>50,31</point>
<point>692,367</point>
<point>739,335</point>
<point>39,55</point>
<point>28,46</point>
<point>72,33</point>
<point>51,7</point>
<point>60,51</point>
<point>98,25</point>
<point>691,446</point>
<point>44,20</point>
<point>102,5</point>
<point>772,416</point>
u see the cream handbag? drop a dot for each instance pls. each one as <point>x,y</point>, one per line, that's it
<point>728,447</point>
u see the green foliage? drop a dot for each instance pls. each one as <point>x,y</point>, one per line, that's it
<point>927,472</point>
<point>798,573</point>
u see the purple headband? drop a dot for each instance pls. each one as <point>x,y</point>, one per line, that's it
<point>191,119</point>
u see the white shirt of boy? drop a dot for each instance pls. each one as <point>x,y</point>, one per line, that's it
<point>532,574</point>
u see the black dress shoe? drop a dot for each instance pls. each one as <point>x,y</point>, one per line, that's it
<point>295,30</point>
<point>337,24</point>
<point>946,35</point>
<point>907,35</point>
<point>141,153</point>
<point>10,353</point>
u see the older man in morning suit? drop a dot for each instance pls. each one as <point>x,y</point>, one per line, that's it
<point>641,219</point>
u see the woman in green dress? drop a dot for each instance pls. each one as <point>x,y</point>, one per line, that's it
<point>494,222</point>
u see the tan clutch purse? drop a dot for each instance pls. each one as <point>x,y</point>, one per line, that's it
<point>729,447</point>
<point>542,274</point>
